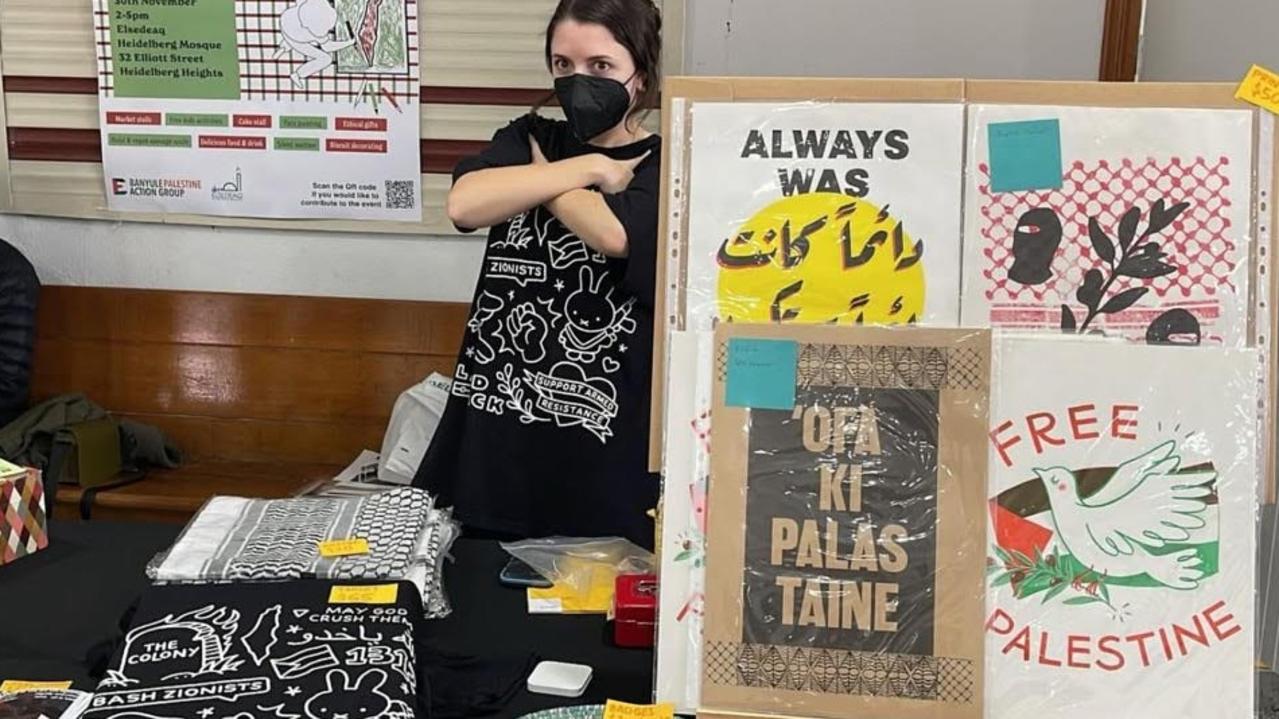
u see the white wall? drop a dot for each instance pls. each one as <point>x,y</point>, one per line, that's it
<point>1208,40</point>
<point>84,252</point>
<point>991,39</point>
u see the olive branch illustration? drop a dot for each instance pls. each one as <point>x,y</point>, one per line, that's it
<point>1137,254</point>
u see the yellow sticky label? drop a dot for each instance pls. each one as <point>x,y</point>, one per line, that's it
<point>1261,88</point>
<point>370,594</point>
<point>15,685</point>
<point>344,547</point>
<point>621,710</point>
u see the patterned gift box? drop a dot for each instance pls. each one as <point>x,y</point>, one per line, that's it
<point>24,526</point>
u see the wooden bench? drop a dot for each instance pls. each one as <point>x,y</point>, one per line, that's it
<point>264,394</point>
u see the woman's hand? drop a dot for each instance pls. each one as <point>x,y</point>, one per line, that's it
<point>539,157</point>
<point>616,175</point>
<point>611,176</point>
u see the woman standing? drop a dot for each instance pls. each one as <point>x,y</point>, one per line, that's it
<point>546,431</point>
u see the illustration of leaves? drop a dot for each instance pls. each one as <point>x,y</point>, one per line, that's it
<point>1160,220</point>
<point>1080,601</point>
<point>1002,554</point>
<point>1058,588</point>
<point>1089,293</point>
<point>1128,228</point>
<point>684,555</point>
<point>1101,242</point>
<point>1144,268</point>
<point>1002,579</point>
<point>1124,300</point>
<point>1068,323</point>
<point>1034,585</point>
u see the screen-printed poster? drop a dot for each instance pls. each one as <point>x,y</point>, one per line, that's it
<point>1122,548</point>
<point>846,498</point>
<point>821,213</point>
<point>1131,221</point>
<point>261,108</point>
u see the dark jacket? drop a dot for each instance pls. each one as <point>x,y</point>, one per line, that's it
<point>19,294</point>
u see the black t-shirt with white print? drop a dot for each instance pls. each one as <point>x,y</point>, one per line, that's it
<point>546,430</point>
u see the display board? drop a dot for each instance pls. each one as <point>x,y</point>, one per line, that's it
<point>1227,239</point>
<point>848,486</point>
<point>282,109</point>
<point>1123,507</point>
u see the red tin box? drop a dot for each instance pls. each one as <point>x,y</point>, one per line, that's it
<point>635,610</point>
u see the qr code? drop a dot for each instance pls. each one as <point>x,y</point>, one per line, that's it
<point>400,195</point>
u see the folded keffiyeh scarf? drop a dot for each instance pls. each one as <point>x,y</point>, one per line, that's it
<point>234,539</point>
<point>265,650</point>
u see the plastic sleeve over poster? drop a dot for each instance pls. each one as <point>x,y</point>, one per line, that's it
<point>1082,219</point>
<point>1123,530</point>
<point>812,200</point>
<point>845,545</point>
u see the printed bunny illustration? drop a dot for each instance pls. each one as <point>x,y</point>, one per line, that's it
<point>592,321</point>
<point>362,700</point>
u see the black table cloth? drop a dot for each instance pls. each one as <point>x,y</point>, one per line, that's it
<point>65,601</point>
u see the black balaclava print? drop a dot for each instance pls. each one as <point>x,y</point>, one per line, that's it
<point>593,105</point>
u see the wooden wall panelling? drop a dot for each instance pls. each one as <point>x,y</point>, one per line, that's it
<point>245,378</point>
<point>239,320</point>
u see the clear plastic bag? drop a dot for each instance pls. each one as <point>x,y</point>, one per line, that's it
<point>581,563</point>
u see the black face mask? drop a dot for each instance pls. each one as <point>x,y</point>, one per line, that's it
<point>593,105</point>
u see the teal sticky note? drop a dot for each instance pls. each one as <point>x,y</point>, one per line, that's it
<point>761,373</point>
<point>1025,155</point>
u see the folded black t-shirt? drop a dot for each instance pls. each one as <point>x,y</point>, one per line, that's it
<point>271,650</point>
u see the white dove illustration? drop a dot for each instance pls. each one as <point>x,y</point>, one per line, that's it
<point>1146,505</point>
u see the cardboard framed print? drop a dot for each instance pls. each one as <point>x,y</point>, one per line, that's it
<point>1132,221</point>
<point>846,523</point>
<point>1123,535</point>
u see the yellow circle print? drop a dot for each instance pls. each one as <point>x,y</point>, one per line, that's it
<point>822,258</point>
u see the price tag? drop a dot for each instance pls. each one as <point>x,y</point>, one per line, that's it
<point>369,594</point>
<point>344,547</point>
<point>14,685</point>
<point>620,710</point>
<point>1261,88</point>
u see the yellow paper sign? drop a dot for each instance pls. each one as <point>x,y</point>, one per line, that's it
<point>1261,88</point>
<point>14,685</point>
<point>344,547</point>
<point>620,710</point>
<point>370,594</point>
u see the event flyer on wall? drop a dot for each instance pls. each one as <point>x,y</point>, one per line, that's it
<point>261,108</point>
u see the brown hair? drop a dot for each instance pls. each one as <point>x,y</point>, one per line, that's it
<point>635,24</point>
